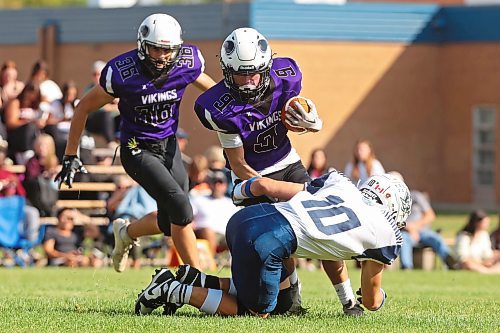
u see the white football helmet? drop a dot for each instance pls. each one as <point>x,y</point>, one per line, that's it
<point>244,52</point>
<point>391,194</point>
<point>159,30</point>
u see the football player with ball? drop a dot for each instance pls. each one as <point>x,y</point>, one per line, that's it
<point>252,109</point>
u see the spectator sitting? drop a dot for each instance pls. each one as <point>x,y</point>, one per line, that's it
<point>212,212</point>
<point>105,121</point>
<point>93,245</point>
<point>318,165</point>
<point>198,176</point>
<point>495,237</point>
<point>61,243</point>
<point>61,113</point>
<point>49,90</point>
<point>11,185</point>
<point>40,173</point>
<point>473,245</point>
<point>215,158</point>
<point>364,163</point>
<point>10,86</point>
<point>418,233</point>
<point>182,141</point>
<point>24,120</point>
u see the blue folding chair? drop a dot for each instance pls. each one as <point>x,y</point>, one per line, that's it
<point>11,221</point>
<point>11,215</point>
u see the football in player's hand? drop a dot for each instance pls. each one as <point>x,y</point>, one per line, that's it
<point>295,103</point>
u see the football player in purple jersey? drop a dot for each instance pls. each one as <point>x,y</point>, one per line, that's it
<point>150,82</point>
<point>245,111</point>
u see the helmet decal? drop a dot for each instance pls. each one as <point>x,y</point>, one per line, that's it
<point>229,47</point>
<point>144,30</point>
<point>390,194</point>
<point>263,45</point>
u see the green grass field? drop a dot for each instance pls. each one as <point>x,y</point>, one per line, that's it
<point>86,300</point>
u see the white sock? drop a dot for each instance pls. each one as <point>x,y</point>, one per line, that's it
<point>294,278</point>
<point>344,291</point>
<point>212,302</point>
<point>232,288</point>
<point>181,294</point>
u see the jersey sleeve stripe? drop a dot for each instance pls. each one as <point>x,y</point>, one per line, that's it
<point>202,60</point>
<point>384,255</point>
<point>109,75</point>
<point>230,140</point>
<point>208,117</point>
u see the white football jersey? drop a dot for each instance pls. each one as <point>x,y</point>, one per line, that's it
<point>332,222</point>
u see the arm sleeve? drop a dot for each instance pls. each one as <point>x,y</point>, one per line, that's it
<point>194,68</point>
<point>377,168</point>
<point>422,201</point>
<point>316,184</point>
<point>230,140</point>
<point>462,247</point>
<point>292,84</point>
<point>49,234</point>
<point>106,80</point>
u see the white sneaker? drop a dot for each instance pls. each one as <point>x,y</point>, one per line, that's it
<point>123,244</point>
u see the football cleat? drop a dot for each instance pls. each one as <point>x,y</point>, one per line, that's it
<point>353,309</point>
<point>123,244</point>
<point>169,309</point>
<point>189,275</point>
<point>157,293</point>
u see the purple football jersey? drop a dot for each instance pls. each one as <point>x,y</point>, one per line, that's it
<point>150,111</point>
<point>259,125</point>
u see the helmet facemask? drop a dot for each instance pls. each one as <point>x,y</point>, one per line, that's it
<point>152,64</point>
<point>246,94</point>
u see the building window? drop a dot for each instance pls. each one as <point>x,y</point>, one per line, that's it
<point>484,121</point>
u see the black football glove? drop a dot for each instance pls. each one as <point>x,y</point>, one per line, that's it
<point>71,164</point>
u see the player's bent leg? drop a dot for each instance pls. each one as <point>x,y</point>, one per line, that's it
<point>185,243</point>
<point>192,276</point>
<point>258,254</point>
<point>123,244</point>
<point>212,301</point>
<point>338,275</point>
<point>145,226</point>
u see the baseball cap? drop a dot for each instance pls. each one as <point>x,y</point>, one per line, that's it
<point>97,66</point>
<point>215,176</point>
<point>182,134</point>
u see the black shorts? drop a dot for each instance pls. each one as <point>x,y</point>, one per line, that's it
<point>294,173</point>
<point>157,166</point>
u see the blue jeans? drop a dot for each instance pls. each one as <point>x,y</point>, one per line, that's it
<point>427,238</point>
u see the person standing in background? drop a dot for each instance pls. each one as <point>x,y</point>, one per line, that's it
<point>364,163</point>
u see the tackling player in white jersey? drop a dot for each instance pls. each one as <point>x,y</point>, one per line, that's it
<point>328,219</point>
